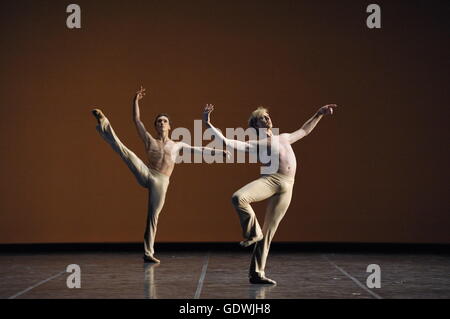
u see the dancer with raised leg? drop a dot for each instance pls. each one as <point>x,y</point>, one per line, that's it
<point>276,187</point>
<point>161,152</point>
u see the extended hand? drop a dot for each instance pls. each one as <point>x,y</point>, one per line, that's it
<point>207,112</point>
<point>327,109</point>
<point>140,94</point>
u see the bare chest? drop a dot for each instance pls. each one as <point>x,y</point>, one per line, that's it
<point>159,151</point>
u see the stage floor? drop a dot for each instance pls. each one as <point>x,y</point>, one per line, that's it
<point>211,275</point>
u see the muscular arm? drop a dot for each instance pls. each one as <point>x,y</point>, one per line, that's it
<point>240,146</point>
<point>145,136</point>
<point>311,123</point>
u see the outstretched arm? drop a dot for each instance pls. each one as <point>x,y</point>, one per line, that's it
<point>145,136</point>
<point>234,144</point>
<point>201,149</point>
<point>311,123</point>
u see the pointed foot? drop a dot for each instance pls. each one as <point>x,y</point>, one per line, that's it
<point>249,242</point>
<point>98,114</point>
<point>262,281</point>
<point>151,259</point>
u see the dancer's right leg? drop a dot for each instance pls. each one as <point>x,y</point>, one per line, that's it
<point>256,191</point>
<point>135,164</point>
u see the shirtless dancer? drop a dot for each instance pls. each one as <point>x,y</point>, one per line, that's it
<point>161,152</point>
<point>277,187</point>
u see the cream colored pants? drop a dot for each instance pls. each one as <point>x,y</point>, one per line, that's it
<point>278,189</point>
<point>155,181</point>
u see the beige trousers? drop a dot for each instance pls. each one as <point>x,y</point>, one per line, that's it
<point>278,188</point>
<point>156,182</point>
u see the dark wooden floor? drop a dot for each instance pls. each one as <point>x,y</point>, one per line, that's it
<point>203,274</point>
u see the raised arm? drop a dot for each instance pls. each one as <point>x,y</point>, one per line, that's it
<point>241,146</point>
<point>145,136</point>
<point>311,123</point>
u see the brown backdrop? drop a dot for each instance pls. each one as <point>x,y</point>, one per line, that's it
<point>377,171</point>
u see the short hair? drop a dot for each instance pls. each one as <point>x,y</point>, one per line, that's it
<point>255,115</point>
<point>160,115</point>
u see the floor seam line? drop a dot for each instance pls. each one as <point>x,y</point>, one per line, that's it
<point>36,285</point>
<point>356,281</point>
<point>202,278</point>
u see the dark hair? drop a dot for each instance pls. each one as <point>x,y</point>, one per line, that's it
<point>159,115</point>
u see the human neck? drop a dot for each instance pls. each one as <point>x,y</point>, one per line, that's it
<point>268,132</point>
<point>164,136</point>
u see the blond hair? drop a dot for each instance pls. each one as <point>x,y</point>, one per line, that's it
<point>255,116</point>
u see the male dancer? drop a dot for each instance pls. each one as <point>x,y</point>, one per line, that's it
<point>161,152</point>
<point>277,186</point>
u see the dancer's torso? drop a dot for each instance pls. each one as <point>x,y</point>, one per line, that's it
<point>287,161</point>
<point>160,156</point>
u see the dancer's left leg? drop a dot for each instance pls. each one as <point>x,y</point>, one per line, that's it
<point>158,184</point>
<point>276,209</point>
